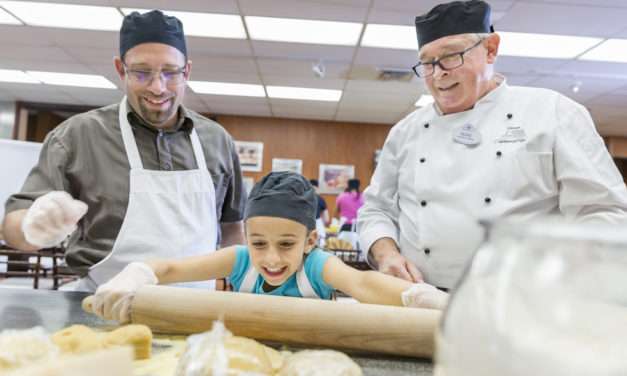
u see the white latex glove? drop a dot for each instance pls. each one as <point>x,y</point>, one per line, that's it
<point>51,218</point>
<point>112,300</point>
<point>424,295</point>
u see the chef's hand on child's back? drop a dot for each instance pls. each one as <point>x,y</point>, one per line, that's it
<point>112,300</point>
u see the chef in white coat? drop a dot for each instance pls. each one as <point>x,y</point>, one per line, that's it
<point>483,150</point>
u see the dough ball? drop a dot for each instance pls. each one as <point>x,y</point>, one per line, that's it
<point>78,339</point>
<point>319,363</point>
<point>137,336</point>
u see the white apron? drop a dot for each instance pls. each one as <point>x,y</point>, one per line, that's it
<point>170,214</point>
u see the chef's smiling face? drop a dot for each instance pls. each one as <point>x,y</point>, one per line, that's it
<point>155,97</point>
<point>458,89</point>
<point>277,247</point>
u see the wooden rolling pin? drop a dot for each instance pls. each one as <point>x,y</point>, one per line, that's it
<point>365,327</point>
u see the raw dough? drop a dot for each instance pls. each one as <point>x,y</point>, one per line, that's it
<point>319,363</point>
<point>24,347</point>
<point>80,339</point>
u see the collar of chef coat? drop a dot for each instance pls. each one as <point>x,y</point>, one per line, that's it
<point>491,96</point>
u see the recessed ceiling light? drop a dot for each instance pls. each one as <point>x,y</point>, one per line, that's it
<point>71,79</point>
<point>544,45</point>
<point>304,93</point>
<point>612,50</point>
<point>211,25</point>
<point>424,100</point>
<point>12,75</point>
<point>390,36</point>
<point>303,31</point>
<point>65,15</point>
<point>8,19</point>
<point>227,88</point>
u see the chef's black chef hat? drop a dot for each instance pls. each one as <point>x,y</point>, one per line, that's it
<point>283,194</point>
<point>151,27</point>
<point>456,17</point>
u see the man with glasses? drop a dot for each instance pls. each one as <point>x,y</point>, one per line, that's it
<point>142,179</point>
<point>483,150</point>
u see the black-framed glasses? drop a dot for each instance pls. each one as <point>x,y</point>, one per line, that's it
<point>145,77</point>
<point>446,62</point>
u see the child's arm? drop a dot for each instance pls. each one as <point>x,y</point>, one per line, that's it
<point>375,287</point>
<point>214,265</point>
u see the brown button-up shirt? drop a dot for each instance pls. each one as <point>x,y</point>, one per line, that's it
<point>85,157</point>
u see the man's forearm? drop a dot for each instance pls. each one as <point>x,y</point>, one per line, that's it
<point>12,230</point>
<point>232,234</point>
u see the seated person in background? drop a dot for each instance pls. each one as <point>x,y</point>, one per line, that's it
<point>322,211</point>
<point>279,259</point>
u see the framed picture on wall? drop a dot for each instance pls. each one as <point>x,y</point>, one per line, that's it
<point>293,165</point>
<point>333,179</point>
<point>250,155</point>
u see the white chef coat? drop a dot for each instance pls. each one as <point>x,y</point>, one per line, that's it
<point>539,154</point>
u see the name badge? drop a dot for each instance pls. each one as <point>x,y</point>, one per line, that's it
<point>467,134</point>
<point>512,134</point>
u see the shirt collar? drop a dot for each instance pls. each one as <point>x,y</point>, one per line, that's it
<point>183,123</point>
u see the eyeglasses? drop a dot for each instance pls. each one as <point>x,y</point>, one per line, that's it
<point>145,77</point>
<point>446,62</point>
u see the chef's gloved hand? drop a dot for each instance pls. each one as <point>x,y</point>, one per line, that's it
<point>424,295</point>
<point>51,218</point>
<point>112,300</point>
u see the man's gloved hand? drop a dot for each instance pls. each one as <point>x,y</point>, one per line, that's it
<point>51,218</point>
<point>424,295</point>
<point>112,300</point>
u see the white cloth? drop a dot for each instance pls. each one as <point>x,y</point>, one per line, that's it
<point>112,300</point>
<point>540,154</point>
<point>51,218</point>
<point>170,214</point>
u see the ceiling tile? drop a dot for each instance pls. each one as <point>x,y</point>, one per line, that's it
<point>302,51</point>
<point>319,10</point>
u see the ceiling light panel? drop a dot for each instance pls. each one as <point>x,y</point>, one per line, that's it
<point>303,31</point>
<point>12,75</point>
<point>210,25</point>
<point>390,36</point>
<point>71,79</point>
<point>227,88</point>
<point>612,50</point>
<point>7,19</point>
<point>546,46</point>
<point>65,15</point>
<point>303,93</point>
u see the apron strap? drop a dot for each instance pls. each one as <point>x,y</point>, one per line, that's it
<point>248,284</point>
<point>127,136</point>
<point>304,286</point>
<point>198,153</point>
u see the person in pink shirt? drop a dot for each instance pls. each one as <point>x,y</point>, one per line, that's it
<point>348,203</point>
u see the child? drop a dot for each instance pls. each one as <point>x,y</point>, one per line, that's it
<point>280,258</point>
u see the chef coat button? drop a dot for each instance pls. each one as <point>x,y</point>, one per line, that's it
<point>499,153</point>
<point>426,125</point>
<point>509,116</point>
<point>423,203</point>
<point>166,166</point>
<point>487,200</point>
<point>427,251</point>
<point>422,160</point>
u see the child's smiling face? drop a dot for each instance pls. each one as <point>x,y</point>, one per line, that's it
<point>277,247</point>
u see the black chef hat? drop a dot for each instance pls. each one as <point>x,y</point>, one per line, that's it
<point>151,27</point>
<point>283,194</point>
<point>456,17</point>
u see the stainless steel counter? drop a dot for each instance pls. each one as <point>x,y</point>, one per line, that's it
<point>54,310</point>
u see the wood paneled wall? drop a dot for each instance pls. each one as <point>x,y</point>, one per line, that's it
<point>315,142</point>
